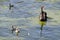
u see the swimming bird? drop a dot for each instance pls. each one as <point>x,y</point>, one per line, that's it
<point>10,6</point>
<point>13,29</point>
<point>42,17</point>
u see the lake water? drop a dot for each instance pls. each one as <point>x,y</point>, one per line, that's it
<point>25,16</point>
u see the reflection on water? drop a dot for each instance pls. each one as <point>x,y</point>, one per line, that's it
<point>26,16</point>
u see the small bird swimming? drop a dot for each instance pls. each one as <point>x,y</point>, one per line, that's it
<point>10,6</point>
<point>13,29</point>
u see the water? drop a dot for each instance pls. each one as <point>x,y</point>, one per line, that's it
<point>25,16</point>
